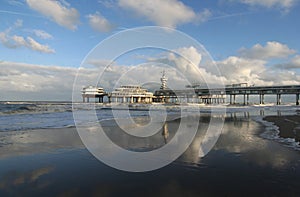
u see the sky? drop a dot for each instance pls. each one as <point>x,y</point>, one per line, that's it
<point>45,43</point>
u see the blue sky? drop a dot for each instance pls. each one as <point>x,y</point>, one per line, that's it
<point>45,36</point>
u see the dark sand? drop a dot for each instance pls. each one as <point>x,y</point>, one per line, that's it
<point>54,162</point>
<point>289,126</point>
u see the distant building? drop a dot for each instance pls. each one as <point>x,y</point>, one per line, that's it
<point>130,94</point>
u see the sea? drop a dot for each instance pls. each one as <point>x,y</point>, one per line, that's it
<point>31,115</point>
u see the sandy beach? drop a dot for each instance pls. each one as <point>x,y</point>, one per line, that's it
<point>289,126</point>
<point>54,162</point>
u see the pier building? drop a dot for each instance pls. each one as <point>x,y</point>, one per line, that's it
<point>130,94</point>
<point>93,92</point>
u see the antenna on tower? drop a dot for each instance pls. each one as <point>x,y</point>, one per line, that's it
<point>163,80</point>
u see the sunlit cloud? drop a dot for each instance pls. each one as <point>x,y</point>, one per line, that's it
<point>61,13</point>
<point>30,80</point>
<point>168,13</point>
<point>99,23</point>
<point>270,50</point>
<point>16,41</point>
<point>42,34</point>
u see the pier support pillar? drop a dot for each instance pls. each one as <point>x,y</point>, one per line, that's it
<point>261,99</point>
<point>247,99</point>
<point>278,99</point>
<point>234,101</point>
<point>244,99</point>
<point>297,99</point>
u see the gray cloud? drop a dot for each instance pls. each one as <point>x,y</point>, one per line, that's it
<point>293,64</point>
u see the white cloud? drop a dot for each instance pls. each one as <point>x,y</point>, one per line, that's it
<point>193,66</point>
<point>42,34</point>
<point>16,41</point>
<point>20,81</point>
<point>99,23</point>
<point>286,4</point>
<point>270,50</point>
<point>240,70</point>
<point>253,66</point>
<point>26,81</point>
<point>168,13</point>
<point>190,67</point>
<point>187,63</point>
<point>19,40</point>
<point>34,45</point>
<point>61,13</point>
<point>280,77</point>
<point>255,72</point>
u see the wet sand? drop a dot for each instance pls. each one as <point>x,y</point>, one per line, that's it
<point>289,126</point>
<point>53,162</point>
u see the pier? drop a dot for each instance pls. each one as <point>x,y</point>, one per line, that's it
<point>217,96</point>
<point>191,94</point>
<point>261,91</point>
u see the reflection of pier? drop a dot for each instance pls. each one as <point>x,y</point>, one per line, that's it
<point>165,132</point>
